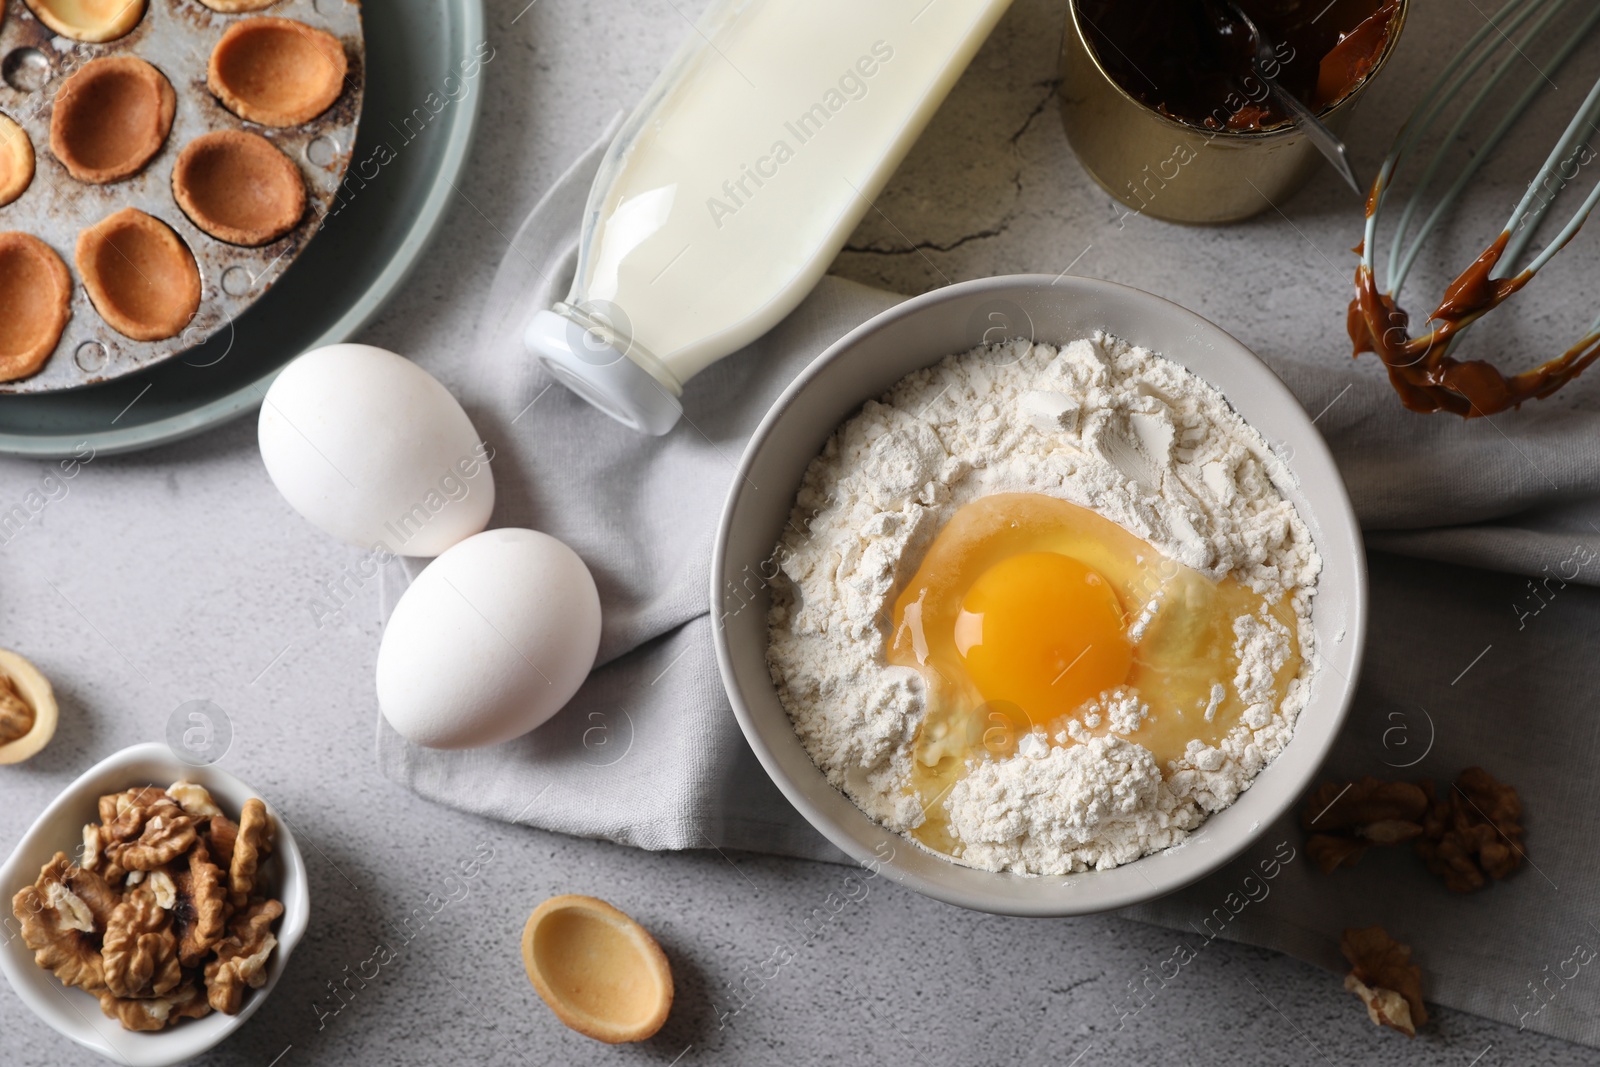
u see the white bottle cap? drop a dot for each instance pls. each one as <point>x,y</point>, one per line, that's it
<point>581,359</point>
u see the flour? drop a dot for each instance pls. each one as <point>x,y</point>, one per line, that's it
<point>1102,424</point>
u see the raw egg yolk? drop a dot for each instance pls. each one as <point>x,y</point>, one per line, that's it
<point>1018,618</point>
<point>1045,632</point>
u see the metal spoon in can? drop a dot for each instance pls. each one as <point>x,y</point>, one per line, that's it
<point>1227,15</point>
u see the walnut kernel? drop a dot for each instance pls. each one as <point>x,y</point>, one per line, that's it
<point>1344,819</point>
<point>123,815</point>
<point>220,834</point>
<point>201,913</point>
<point>188,1001</point>
<point>162,839</point>
<point>59,943</point>
<point>28,709</point>
<point>242,956</point>
<point>1383,976</point>
<point>253,843</point>
<point>139,949</point>
<point>16,717</point>
<point>1474,832</point>
<point>95,893</point>
<point>194,799</point>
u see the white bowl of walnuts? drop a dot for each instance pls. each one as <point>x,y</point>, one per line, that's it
<point>152,907</point>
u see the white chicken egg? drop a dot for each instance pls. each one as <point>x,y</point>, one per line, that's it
<point>370,448</point>
<point>491,640</point>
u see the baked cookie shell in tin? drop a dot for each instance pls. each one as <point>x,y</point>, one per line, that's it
<point>140,276</point>
<point>239,187</point>
<point>110,118</point>
<point>35,293</point>
<point>275,71</point>
<point>177,37</point>
<point>94,21</point>
<point>16,161</point>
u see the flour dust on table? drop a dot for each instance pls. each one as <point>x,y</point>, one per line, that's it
<point>1044,609</point>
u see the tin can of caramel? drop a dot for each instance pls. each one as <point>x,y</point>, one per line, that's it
<point>1183,171</point>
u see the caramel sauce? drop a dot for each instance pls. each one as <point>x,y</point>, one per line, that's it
<point>1354,57</point>
<point>1422,372</point>
<point>1170,55</point>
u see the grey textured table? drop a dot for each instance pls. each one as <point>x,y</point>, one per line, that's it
<point>180,574</point>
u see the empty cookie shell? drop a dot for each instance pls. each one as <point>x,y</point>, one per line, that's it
<point>111,118</point>
<point>277,72</point>
<point>238,187</point>
<point>16,161</point>
<point>94,21</point>
<point>140,275</point>
<point>35,302</point>
<point>600,972</point>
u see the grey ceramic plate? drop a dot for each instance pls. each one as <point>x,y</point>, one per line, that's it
<point>399,184</point>
<point>916,334</point>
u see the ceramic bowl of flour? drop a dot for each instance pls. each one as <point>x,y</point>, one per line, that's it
<point>918,334</point>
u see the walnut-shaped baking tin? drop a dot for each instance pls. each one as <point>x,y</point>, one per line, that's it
<point>162,162</point>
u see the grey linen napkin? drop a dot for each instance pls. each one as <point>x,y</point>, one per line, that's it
<point>1482,650</point>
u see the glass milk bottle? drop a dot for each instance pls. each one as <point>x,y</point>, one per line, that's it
<point>731,188</point>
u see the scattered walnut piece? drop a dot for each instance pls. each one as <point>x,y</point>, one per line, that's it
<point>188,1001</point>
<point>242,956</point>
<point>1330,853</point>
<point>1343,819</point>
<point>1385,1007</point>
<point>249,849</point>
<point>16,717</point>
<point>52,919</point>
<point>140,951</point>
<point>1383,976</point>
<point>1473,831</point>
